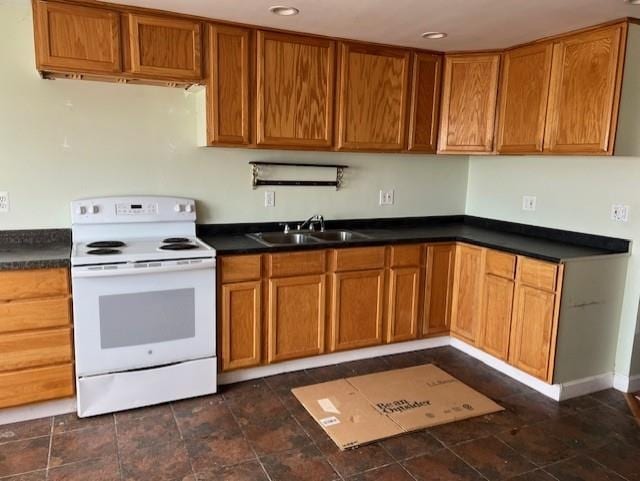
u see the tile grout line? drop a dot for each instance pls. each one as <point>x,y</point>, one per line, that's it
<point>466,463</point>
<point>398,462</point>
<point>46,468</point>
<point>175,420</point>
<point>606,468</point>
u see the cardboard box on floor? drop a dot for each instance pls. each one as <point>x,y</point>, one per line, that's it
<point>362,409</point>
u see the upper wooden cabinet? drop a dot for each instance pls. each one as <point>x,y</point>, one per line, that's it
<point>163,47</point>
<point>372,98</point>
<point>585,91</point>
<point>469,97</point>
<point>229,78</point>
<point>295,81</point>
<point>425,102</point>
<point>524,91</point>
<point>77,38</point>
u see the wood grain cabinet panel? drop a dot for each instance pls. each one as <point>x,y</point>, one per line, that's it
<point>295,78</point>
<point>241,322</point>
<point>77,38</point>
<point>496,316</point>
<point>240,268</point>
<point>469,95</point>
<point>228,111</point>
<point>467,292</point>
<point>35,314</point>
<point>404,298</point>
<point>32,385</point>
<point>438,288</point>
<point>163,47</point>
<point>35,348</point>
<point>524,92</point>
<point>425,102</point>
<point>33,283</point>
<point>357,309</point>
<point>373,97</point>
<point>585,92</point>
<point>296,317</point>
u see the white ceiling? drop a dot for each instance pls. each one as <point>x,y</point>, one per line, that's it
<point>471,24</point>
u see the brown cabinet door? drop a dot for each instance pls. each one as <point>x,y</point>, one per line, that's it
<point>524,91</point>
<point>373,97</point>
<point>356,309</point>
<point>532,330</point>
<point>241,323</point>
<point>77,38</point>
<point>163,47</point>
<point>295,78</point>
<point>296,310</point>
<point>467,292</point>
<point>496,316</point>
<point>425,102</point>
<point>404,298</point>
<point>438,288</point>
<point>38,384</point>
<point>469,97</point>
<point>585,92</point>
<point>228,88</point>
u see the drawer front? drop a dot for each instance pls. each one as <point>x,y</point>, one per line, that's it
<point>32,385</point>
<point>28,284</point>
<point>34,314</point>
<point>240,268</point>
<point>296,263</point>
<point>32,349</point>
<point>500,264</point>
<point>538,274</point>
<point>406,256</point>
<point>358,259</point>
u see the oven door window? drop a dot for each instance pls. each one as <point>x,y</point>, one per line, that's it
<point>146,317</point>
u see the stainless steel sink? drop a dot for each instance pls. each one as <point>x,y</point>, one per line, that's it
<point>338,236</point>
<point>281,239</point>
<point>272,239</point>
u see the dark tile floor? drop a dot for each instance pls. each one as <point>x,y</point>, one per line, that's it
<point>257,431</point>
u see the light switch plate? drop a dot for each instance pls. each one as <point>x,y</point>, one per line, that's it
<point>4,201</point>
<point>269,199</point>
<point>529,202</point>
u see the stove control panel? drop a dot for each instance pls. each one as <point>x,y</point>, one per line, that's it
<point>142,208</point>
<point>123,210</point>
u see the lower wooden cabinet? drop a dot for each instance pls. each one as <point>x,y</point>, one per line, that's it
<point>496,316</point>
<point>438,288</point>
<point>467,291</point>
<point>296,317</point>
<point>357,309</point>
<point>404,299</point>
<point>33,385</point>
<point>241,324</point>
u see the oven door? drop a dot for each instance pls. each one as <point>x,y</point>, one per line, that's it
<point>133,316</point>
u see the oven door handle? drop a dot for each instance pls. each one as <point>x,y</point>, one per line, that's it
<point>132,271</point>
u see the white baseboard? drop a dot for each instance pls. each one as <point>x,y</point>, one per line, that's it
<point>38,410</point>
<point>626,383</point>
<point>329,359</point>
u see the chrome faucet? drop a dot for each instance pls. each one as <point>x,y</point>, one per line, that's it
<point>311,221</point>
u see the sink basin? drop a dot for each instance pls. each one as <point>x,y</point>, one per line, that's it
<point>281,239</point>
<point>338,236</point>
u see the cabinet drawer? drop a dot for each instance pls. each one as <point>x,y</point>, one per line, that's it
<point>239,268</point>
<point>538,274</point>
<point>296,263</point>
<point>37,348</point>
<point>405,256</point>
<point>358,259</point>
<point>500,264</point>
<point>34,314</point>
<point>31,385</point>
<point>28,284</point>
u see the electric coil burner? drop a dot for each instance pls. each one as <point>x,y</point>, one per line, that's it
<point>144,306</point>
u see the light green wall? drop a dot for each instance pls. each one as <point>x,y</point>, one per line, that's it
<point>66,139</point>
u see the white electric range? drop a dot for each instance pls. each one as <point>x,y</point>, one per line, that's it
<point>143,303</point>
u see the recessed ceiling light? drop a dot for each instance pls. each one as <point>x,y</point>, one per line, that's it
<point>436,35</point>
<point>633,2</point>
<point>284,11</point>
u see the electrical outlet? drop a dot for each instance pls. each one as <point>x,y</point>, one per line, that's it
<point>4,201</point>
<point>529,202</point>
<point>619,212</point>
<point>269,199</point>
<point>386,197</point>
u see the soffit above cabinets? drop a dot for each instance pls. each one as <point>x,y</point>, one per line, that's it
<point>471,25</point>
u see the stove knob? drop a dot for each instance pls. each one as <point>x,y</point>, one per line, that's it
<point>81,210</point>
<point>179,208</point>
<point>189,207</point>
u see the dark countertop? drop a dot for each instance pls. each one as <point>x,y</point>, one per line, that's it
<point>518,243</point>
<point>35,249</point>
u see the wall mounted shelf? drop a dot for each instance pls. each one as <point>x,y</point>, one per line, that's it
<point>256,181</point>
